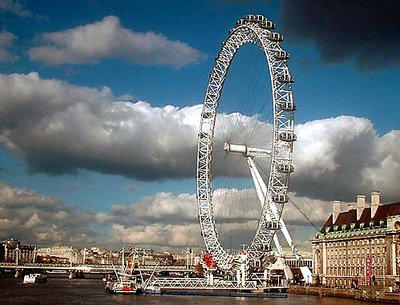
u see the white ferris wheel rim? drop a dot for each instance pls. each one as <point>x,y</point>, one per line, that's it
<point>255,29</point>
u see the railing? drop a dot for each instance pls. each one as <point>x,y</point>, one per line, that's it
<point>91,268</point>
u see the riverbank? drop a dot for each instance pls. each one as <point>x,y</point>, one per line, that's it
<point>372,294</point>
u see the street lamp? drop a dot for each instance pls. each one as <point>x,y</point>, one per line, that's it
<point>34,255</point>
<point>17,252</point>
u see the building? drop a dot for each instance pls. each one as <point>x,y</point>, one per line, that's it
<point>293,262</point>
<point>56,254</point>
<point>11,250</point>
<point>360,246</point>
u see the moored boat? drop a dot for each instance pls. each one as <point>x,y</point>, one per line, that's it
<point>152,289</point>
<point>121,286</point>
<point>34,278</point>
<point>55,271</point>
<point>280,289</point>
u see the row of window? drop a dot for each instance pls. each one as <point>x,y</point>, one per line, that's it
<point>354,271</point>
<point>362,242</point>
<point>337,253</point>
<point>352,225</point>
<point>355,260</point>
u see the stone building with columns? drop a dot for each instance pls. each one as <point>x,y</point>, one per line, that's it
<point>359,246</point>
<point>11,250</point>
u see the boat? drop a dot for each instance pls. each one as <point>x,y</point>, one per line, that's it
<point>279,289</point>
<point>35,278</point>
<point>121,286</point>
<point>152,289</point>
<point>55,271</point>
<point>149,287</point>
<point>78,274</point>
<point>124,282</point>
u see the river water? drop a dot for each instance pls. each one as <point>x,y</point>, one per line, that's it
<point>61,290</point>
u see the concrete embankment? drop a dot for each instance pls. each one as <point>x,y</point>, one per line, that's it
<point>372,294</point>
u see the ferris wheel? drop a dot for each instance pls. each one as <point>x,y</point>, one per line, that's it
<point>272,193</point>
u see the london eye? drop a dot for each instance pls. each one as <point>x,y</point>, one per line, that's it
<point>271,189</point>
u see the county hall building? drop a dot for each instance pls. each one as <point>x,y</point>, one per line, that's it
<point>359,246</point>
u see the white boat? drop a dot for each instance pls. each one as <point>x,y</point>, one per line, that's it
<point>149,287</point>
<point>55,271</point>
<point>34,278</point>
<point>152,289</point>
<point>121,286</point>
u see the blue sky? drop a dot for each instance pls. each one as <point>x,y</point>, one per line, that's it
<point>99,105</point>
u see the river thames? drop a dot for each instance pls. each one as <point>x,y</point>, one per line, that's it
<point>60,291</point>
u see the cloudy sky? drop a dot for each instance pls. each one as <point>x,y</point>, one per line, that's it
<point>100,104</point>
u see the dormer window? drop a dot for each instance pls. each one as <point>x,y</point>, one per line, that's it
<point>343,227</point>
<point>361,225</point>
<point>352,225</point>
<point>335,228</point>
<point>381,223</point>
<point>327,229</point>
<point>371,224</point>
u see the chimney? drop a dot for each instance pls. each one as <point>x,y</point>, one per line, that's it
<point>360,205</point>
<point>375,203</point>
<point>351,207</point>
<point>335,210</point>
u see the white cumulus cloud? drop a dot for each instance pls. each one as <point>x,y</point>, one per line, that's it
<point>340,157</point>
<point>41,220</point>
<point>107,38</point>
<point>59,128</point>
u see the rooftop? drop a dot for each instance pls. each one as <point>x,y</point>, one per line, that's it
<point>347,221</point>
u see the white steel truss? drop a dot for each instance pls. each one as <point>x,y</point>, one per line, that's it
<point>254,29</point>
<point>202,283</point>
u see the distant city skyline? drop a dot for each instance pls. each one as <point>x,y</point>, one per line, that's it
<point>100,104</point>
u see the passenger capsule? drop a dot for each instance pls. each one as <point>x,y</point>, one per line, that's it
<point>255,18</point>
<point>285,168</point>
<point>285,78</point>
<point>266,247</point>
<point>273,225</point>
<point>267,24</point>
<point>287,106</point>
<point>281,55</point>
<point>287,136</point>
<point>280,199</point>
<point>274,36</point>
<point>240,22</point>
